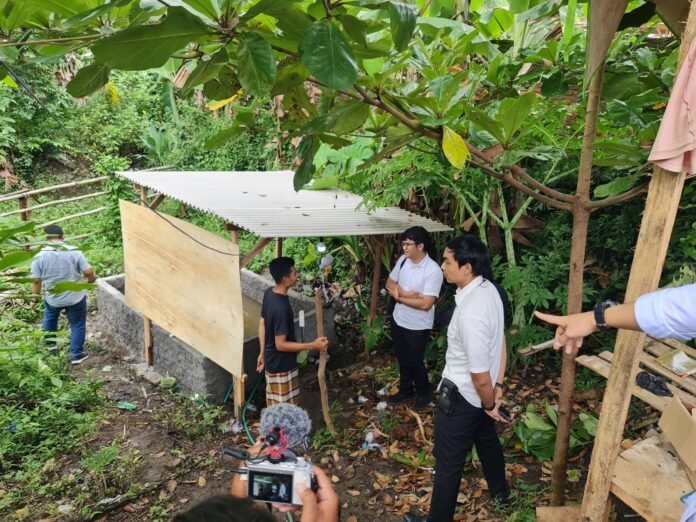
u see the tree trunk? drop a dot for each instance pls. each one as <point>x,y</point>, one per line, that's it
<point>581,218</point>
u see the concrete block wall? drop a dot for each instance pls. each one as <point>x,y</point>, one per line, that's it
<point>172,357</point>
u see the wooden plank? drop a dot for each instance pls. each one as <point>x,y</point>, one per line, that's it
<point>147,338</point>
<point>24,213</point>
<point>673,344</point>
<point>650,480</point>
<point>685,397</point>
<point>72,216</point>
<point>157,201</point>
<point>27,193</point>
<point>191,289</point>
<point>254,251</point>
<point>558,513</point>
<point>279,247</point>
<point>603,368</point>
<point>55,202</point>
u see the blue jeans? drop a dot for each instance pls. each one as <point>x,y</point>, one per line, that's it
<point>77,317</point>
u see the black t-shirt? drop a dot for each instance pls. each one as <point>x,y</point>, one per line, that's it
<point>278,319</point>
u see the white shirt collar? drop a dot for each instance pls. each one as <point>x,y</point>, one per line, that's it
<point>466,290</point>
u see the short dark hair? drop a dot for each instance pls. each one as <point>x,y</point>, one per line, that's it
<point>225,508</point>
<point>53,231</point>
<point>281,267</point>
<point>470,249</point>
<point>418,235</point>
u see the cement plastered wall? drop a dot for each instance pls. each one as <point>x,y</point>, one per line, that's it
<point>171,356</point>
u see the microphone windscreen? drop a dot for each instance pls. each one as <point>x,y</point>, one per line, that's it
<point>293,420</point>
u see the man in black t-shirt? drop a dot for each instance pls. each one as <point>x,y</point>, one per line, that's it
<point>279,349</point>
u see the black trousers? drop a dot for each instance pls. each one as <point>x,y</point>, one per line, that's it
<point>455,433</point>
<point>409,346</point>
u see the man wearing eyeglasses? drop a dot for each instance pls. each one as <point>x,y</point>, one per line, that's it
<point>414,284</point>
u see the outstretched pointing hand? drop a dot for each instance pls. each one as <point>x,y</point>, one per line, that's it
<point>570,329</point>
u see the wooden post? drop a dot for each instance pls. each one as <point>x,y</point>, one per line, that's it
<point>279,247</point>
<point>237,382</point>
<point>656,227</point>
<point>581,220</point>
<point>376,276</point>
<point>24,215</point>
<point>321,372</point>
<point>147,323</point>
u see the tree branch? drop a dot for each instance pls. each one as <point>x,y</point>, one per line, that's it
<point>52,40</point>
<point>513,182</point>
<point>615,200</point>
<point>327,7</point>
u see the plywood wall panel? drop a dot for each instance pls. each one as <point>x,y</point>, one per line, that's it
<point>187,289</point>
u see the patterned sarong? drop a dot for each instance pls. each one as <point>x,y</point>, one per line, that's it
<point>283,387</point>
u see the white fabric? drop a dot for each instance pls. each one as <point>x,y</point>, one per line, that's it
<point>474,337</point>
<point>424,278</point>
<point>689,514</point>
<point>668,313</point>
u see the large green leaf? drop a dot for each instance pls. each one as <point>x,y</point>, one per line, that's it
<point>402,21</point>
<point>342,119</point>
<point>70,286</point>
<point>305,152</point>
<point>207,70</point>
<point>513,112</point>
<point>14,259</point>
<point>354,28</point>
<point>210,8</point>
<point>150,46</point>
<point>257,66</point>
<point>617,186</point>
<point>88,79</point>
<point>327,55</point>
<point>483,121</point>
<point>224,136</point>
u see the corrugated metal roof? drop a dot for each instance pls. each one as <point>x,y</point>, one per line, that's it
<point>266,204</point>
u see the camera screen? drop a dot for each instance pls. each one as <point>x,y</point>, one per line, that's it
<point>270,487</point>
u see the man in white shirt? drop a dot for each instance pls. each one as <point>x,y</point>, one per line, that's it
<point>467,407</point>
<point>666,314</point>
<point>414,284</point>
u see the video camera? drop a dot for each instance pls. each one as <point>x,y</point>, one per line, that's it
<point>273,474</point>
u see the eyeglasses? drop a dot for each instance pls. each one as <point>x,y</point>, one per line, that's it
<point>408,243</point>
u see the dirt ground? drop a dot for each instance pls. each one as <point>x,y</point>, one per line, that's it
<point>381,482</point>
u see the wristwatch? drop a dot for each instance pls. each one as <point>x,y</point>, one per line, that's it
<point>500,385</point>
<point>488,409</point>
<point>599,315</point>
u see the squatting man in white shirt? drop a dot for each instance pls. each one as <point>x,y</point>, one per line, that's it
<point>468,403</point>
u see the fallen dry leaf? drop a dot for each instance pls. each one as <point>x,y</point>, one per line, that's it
<point>129,508</point>
<point>183,500</point>
<point>335,479</point>
<point>171,485</point>
<point>201,481</point>
<point>353,492</point>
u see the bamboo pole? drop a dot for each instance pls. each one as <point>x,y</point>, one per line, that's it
<point>321,372</point>
<point>581,220</point>
<point>72,216</point>
<point>24,214</point>
<point>54,202</point>
<point>35,192</point>
<point>656,227</point>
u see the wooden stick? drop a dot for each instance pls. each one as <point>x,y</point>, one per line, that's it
<point>81,236</point>
<point>535,348</point>
<point>28,193</point>
<point>25,215</point>
<point>147,322</point>
<point>376,276</point>
<point>321,372</point>
<point>420,425</point>
<point>255,250</point>
<point>158,200</point>
<point>71,216</point>
<point>54,202</point>
<point>279,247</point>
<point>237,382</point>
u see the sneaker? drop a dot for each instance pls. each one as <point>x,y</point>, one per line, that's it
<point>400,397</point>
<point>424,402</point>
<point>79,358</point>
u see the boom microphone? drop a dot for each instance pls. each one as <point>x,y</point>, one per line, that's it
<point>293,420</point>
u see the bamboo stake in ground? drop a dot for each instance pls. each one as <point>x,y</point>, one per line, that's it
<point>321,373</point>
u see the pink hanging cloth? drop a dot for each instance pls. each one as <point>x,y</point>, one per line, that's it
<point>675,145</point>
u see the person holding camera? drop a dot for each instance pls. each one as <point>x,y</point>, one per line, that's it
<point>279,349</point>
<point>414,284</point>
<point>468,403</point>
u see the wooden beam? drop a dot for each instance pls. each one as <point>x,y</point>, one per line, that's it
<point>653,239</point>
<point>72,216</point>
<point>656,227</point>
<point>376,276</point>
<point>234,232</point>
<point>279,247</point>
<point>54,202</point>
<point>157,201</point>
<point>147,322</point>
<point>254,251</point>
<point>237,381</point>
<point>321,371</point>
<point>24,213</point>
<point>27,193</point>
